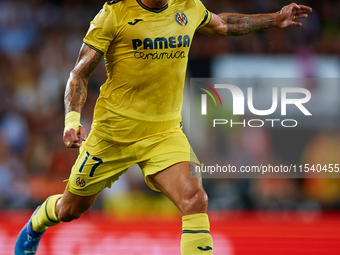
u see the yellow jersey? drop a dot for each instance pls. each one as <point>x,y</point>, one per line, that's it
<point>146,53</point>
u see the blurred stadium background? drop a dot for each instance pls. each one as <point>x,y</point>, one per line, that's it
<point>39,44</point>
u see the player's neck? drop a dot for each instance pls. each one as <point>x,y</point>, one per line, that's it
<point>155,4</point>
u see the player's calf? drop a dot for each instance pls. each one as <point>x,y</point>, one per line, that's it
<point>67,215</point>
<point>72,207</point>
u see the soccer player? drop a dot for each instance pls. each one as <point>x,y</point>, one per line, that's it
<point>137,116</point>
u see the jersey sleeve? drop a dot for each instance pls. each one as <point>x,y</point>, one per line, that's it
<point>203,14</point>
<point>102,30</point>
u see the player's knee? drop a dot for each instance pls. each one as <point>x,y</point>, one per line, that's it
<point>197,203</point>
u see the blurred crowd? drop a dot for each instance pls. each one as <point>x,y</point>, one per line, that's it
<point>39,44</point>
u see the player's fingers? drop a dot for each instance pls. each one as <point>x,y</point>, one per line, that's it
<point>68,142</point>
<point>301,16</point>
<point>82,133</point>
<point>293,6</point>
<point>74,144</point>
<point>292,10</point>
<point>305,8</point>
<point>77,144</point>
<point>70,138</point>
<point>73,135</point>
<point>296,24</point>
<point>302,11</point>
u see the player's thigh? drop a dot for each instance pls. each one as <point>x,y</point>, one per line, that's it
<point>99,164</point>
<point>185,191</point>
<point>164,151</point>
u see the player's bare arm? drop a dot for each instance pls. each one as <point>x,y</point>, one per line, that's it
<point>76,92</point>
<point>232,24</point>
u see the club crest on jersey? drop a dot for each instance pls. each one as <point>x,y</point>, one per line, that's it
<point>181,18</point>
<point>80,182</point>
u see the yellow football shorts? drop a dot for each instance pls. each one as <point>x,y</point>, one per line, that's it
<point>100,163</point>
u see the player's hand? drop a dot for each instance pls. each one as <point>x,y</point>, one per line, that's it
<point>72,139</point>
<point>289,13</point>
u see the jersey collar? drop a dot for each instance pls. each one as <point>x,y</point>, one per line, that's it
<point>156,10</point>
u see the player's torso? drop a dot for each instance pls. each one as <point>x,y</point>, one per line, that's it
<point>146,65</point>
<point>146,34</point>
<point>146,61</point>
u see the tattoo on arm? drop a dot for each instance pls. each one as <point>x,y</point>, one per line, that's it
<point>239,24</point>
<point>76,88</point>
